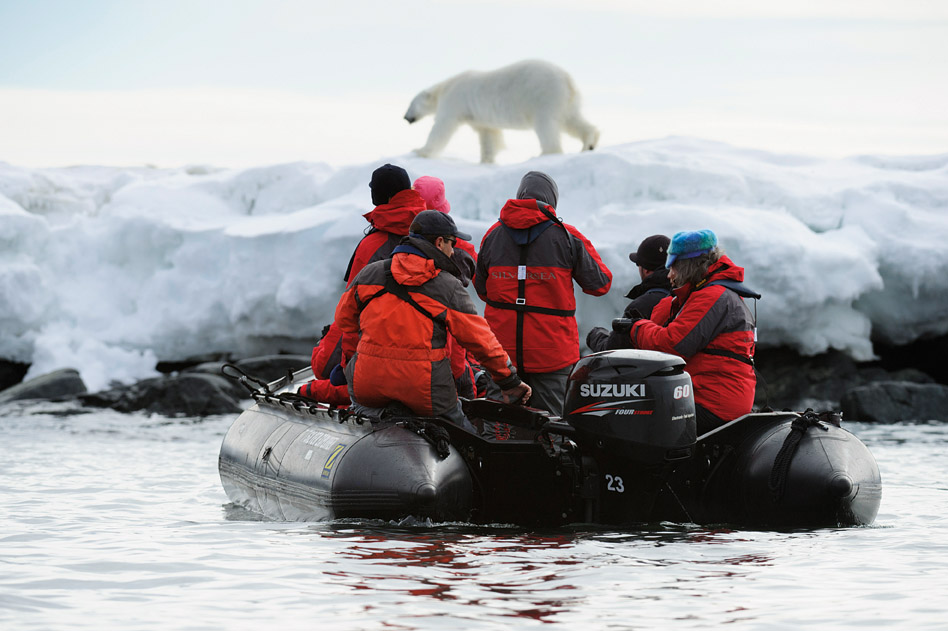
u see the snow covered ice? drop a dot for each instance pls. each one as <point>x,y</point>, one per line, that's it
<point>109,270</point>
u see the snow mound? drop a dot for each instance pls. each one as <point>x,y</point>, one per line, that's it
<point>108,270</point>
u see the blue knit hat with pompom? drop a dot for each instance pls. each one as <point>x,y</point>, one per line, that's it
<point>688,245</point>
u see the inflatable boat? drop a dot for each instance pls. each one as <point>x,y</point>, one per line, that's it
<point>625,452</point>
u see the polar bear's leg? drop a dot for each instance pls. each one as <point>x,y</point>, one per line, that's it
<point>438,137</point>
<point>578,127</point>
<point>548,131</point>
<point>492,141</point>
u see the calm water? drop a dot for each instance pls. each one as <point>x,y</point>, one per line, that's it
<point>119,522</point>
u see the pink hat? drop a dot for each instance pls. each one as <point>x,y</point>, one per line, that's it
<point>432,190</point>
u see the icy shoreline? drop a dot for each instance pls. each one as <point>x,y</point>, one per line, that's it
<point>111,270</point>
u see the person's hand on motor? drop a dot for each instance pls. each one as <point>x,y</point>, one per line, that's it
<point>596,339</point>
<point>620,336</point>
<point>519,394</point>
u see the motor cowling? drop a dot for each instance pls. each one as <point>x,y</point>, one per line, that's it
<point>632,404</point>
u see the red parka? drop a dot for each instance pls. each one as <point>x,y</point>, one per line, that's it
<point>402,354</point>
<point>327,354</point>
<point>711,328</point>
<point>390,223</point>
<point>553,255</point>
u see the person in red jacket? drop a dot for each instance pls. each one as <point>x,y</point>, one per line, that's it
<point>396,205</point>
<point>707,323</point>
<point>431,190</point>
<point>329,386</point>
<point>403,311</point>
<point>525,271</point>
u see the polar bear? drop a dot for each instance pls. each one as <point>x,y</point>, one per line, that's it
<point>526,95</point>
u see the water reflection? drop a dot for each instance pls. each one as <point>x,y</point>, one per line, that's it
<point>513,575</point>
<point>542,576</point>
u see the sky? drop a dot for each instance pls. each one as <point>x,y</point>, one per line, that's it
<point>237,83</point>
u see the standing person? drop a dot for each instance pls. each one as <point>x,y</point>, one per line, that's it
<point>525,271</point>
<point>396,205</point>
<point>403,310</point>
<point>650,259</point>
<point>707,323</point>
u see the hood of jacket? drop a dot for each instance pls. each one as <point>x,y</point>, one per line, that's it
<point>416,261</point>
<point>540,186</point>
<point>396,216</point>
<point>431,190</point>
<point>525,219</point>
<point>466,265</point>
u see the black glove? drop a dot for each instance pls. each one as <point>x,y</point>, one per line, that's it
<point>618,340</point>
<point>596,339</point>
<point>622,325</point>
<point>465,387</point>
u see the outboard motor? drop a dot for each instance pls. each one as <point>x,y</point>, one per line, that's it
<point>633,413</point>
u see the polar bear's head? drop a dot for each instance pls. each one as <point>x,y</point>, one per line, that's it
<point>422,105</point>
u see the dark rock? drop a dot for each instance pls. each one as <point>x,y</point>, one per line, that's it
<point>927,354</point>
<point>893,401</point>
<point>167,367</point>
<point>186,394</point>
<point>59,384</point>
<point>266,368</point>
<point>198,391</point>
<point>272,367</point>
<point>11,373</point>
<point>787,380</point>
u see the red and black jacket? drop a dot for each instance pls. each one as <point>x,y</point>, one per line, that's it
<point>712,329</point>
<point>390,222</point>
<point>525,271</point>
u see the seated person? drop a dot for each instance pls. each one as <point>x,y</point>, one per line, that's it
<point>403,310</point>
<point>707,323</point>
<point>432,191</point>
<point>650,258</point>
<point>395,206</point>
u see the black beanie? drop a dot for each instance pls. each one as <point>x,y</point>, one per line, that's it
<point>387,180</point>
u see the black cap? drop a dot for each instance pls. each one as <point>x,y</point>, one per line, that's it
<point>434,223</point>
<point>387,180</point>
<point>652,252</point>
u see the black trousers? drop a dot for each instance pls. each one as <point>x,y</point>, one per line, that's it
<point>706,420</point>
